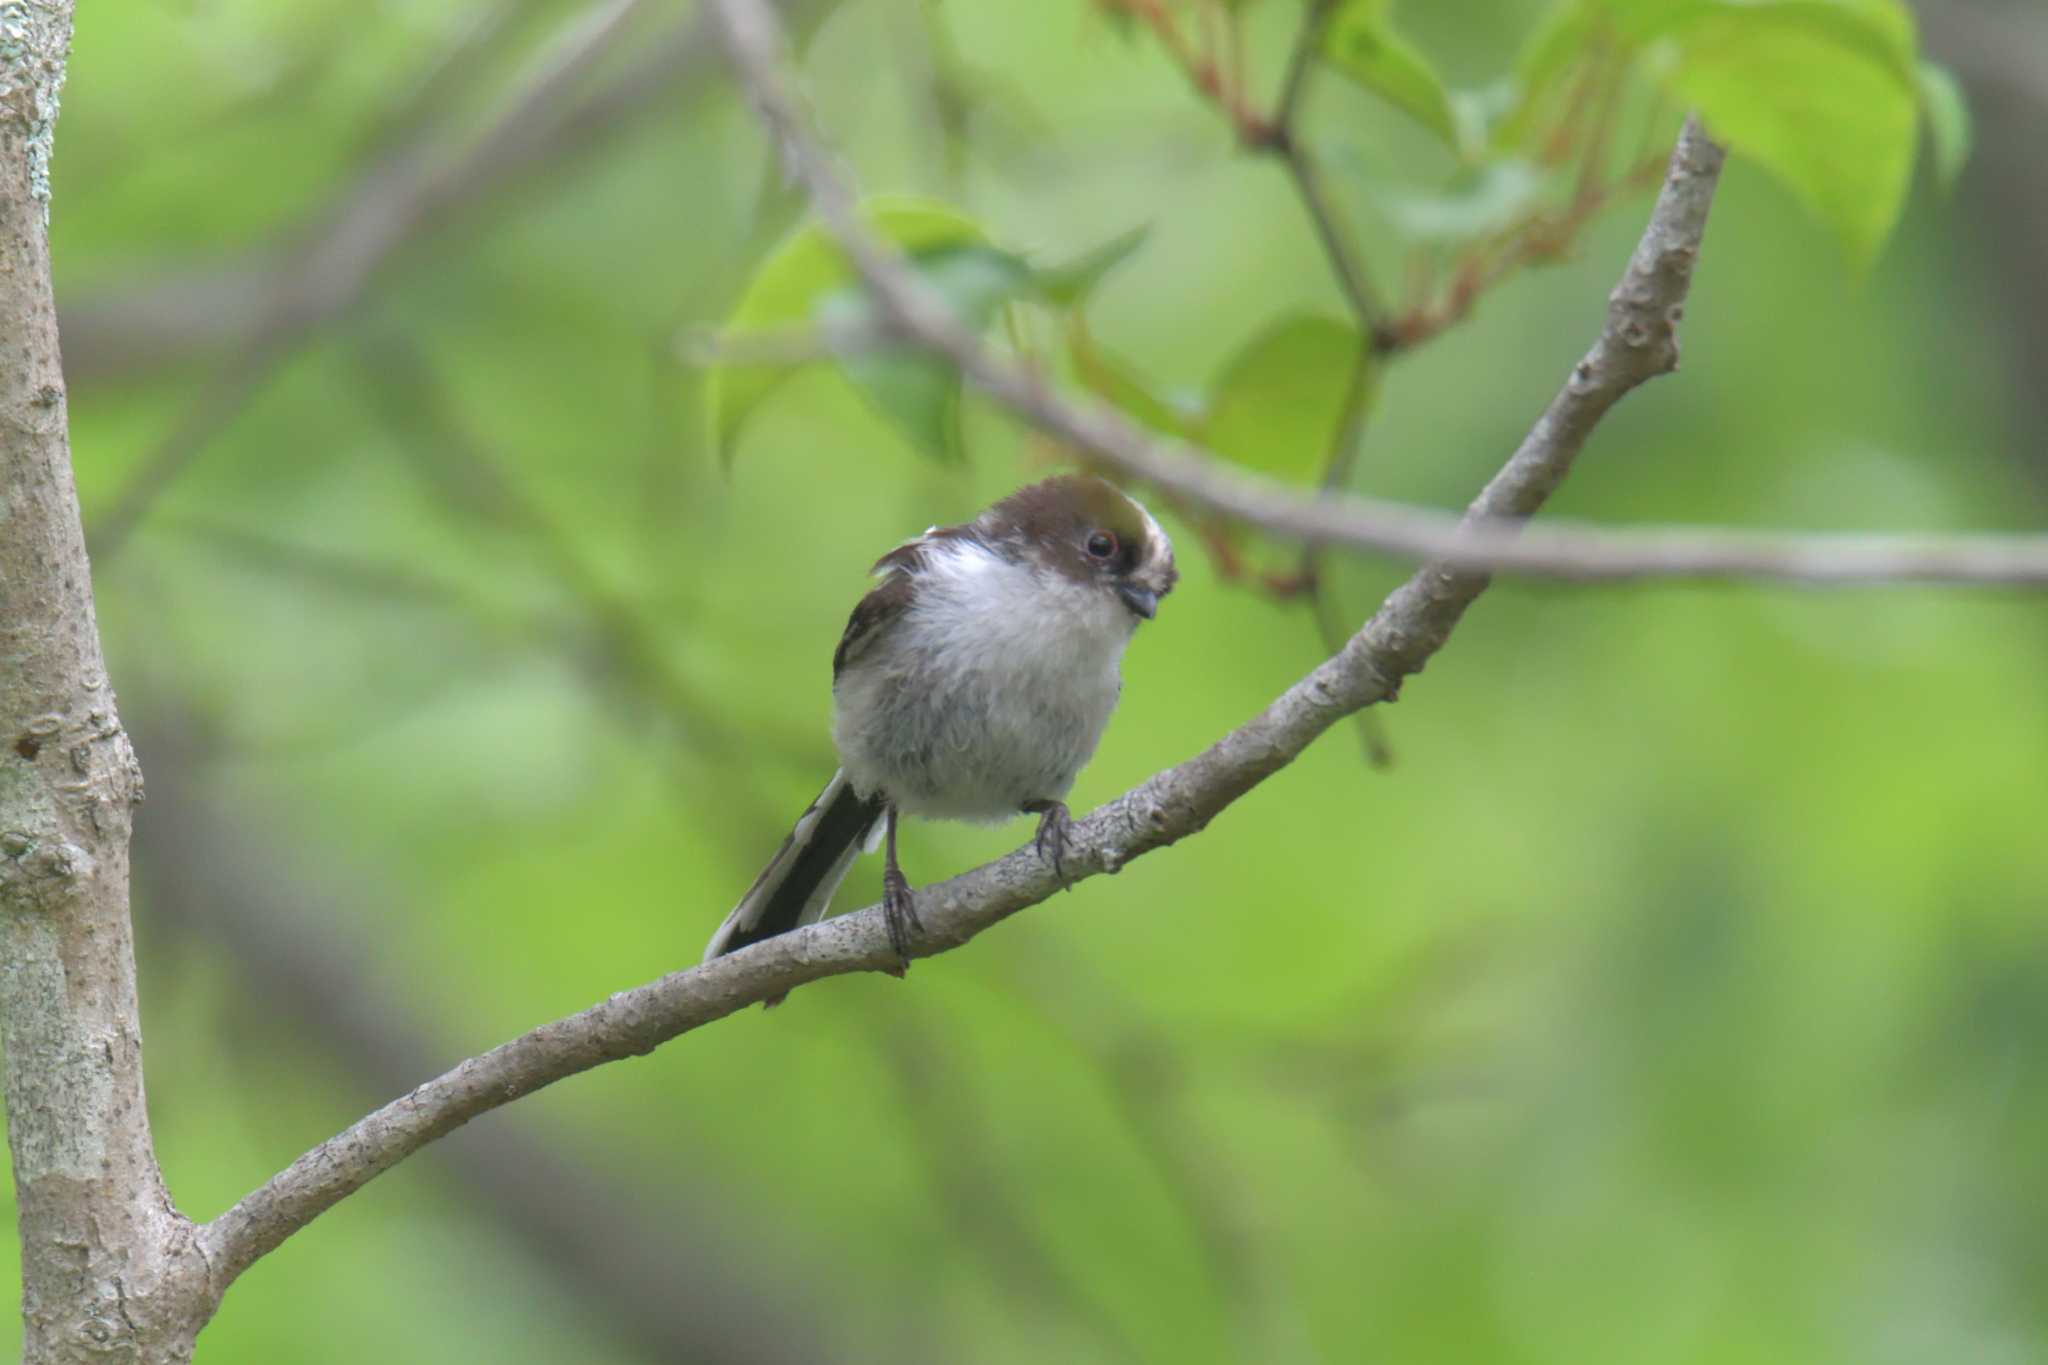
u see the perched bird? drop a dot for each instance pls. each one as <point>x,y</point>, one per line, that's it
<point>972,683</point>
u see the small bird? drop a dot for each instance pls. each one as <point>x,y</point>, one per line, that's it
<point>972,683</point>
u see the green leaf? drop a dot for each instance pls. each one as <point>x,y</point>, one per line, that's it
<point>1879,29</point>
<point>1948,122</point>
<point>1118,384</point>
<point>917,393</point>
<point>1821,93</point>
<point>1071,282</point>
<point>796,277</point>
<point>1361,42</point>
<point>1276,404</point>
<point>1828,114</point>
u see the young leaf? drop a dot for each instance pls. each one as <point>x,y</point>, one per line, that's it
<point>1361,42</point>
<point>919,394</point>
<point>1829,114</point>
<point>790,284</point>
<point>1879,29</point>
<point>1276,404</point>
<point>1821,93</point>
<point>1948,122</point>
<point>1071,282</point>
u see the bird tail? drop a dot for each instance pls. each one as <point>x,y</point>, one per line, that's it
<point>797,885</point>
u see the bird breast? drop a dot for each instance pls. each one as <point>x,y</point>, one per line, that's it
<point>991,691</point>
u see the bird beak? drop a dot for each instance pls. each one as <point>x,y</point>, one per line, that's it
<point>1143,601</point>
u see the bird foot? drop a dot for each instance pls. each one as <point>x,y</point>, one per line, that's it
<point>899,912</point>
<point>1051,839</point>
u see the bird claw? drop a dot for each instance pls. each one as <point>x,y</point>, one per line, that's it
<point>899,913</point>
<point>1051,839</point>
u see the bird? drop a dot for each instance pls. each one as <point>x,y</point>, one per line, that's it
<point>972,683</point>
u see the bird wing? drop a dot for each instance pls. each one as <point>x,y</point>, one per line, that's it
<point>891,598</point>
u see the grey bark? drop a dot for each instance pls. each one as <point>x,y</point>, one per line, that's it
<point>110,1270</point>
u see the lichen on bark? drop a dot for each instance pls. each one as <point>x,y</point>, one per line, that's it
<point>35,49</point>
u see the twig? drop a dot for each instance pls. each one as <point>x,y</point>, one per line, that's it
<point>1286,142</point>
<point>1540,237</point>
<point>1203,71</point>
<point>1411,625</point>
<point>1323,214</point>
<point>1300,62</point>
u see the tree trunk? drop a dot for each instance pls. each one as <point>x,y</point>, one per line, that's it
<point>109,1268</point>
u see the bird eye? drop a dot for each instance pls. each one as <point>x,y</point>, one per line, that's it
<point>1102,545</point>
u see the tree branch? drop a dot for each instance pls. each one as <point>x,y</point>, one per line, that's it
<point>1410,627</point>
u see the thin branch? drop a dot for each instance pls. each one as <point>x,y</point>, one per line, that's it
<point>1640,340</point>
<point>1285,141</point>
<point>1330,231</point>
<point>1280,136</point>
<point>1203,71</point>
<point>1542,236</point>
<point>1411,625</point>
<point>1308,41</point>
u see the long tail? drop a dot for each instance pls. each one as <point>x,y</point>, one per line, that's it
<point>797,885</point>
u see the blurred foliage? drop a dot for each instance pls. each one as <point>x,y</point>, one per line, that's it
<point>1678,996</point>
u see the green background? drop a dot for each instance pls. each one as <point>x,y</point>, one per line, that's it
<point>1679,994</point>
